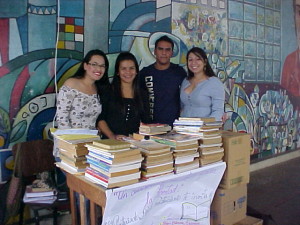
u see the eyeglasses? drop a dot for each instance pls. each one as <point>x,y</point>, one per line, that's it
<point>96,66</point>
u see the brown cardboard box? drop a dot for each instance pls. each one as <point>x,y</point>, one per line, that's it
<point>237,157</point>
<point>249,220</point>
<point>229,205</point>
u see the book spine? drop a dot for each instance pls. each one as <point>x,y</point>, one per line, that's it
<point>163,141</point>
<point>104,158</point>
<point>96,175</point>
<point>100,161</point>
<point>100,165</point>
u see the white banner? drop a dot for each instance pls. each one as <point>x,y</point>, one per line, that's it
<point>178,199</point>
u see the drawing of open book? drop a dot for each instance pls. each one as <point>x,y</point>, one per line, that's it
<point>194,212</point>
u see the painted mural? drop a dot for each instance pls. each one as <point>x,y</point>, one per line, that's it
<point>42,42</point>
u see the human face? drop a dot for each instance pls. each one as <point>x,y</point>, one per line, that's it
<point>163,53</point>
<point>195,63</point>
<point>95,68</point>
<point>127,71</point>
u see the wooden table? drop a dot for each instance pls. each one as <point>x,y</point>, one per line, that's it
<point>86,190</point>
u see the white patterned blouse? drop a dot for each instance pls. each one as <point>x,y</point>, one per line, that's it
<point>76,109</point>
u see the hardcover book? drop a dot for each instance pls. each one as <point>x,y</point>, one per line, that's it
<point>111,180</point>
<point>117,160</point>
<point>112,168</point>
<point>180,168</point>
<point>210,140</point>
<point>112,144</point>
<point>110,185</point>
<point>115,174</point>
<point>204,119</point>
<point>122,152</point>
<point>74,152</point>
<point>157,168</point>
<point>150,176</point>
<point>154,128</point>
<point>29,193</point>
<point>175,139</point>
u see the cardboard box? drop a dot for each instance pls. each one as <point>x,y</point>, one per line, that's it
<point>237,150</point>
<point>249,220</point>
<point>229,205</point>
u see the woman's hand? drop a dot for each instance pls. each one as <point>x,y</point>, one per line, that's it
<point>120,137</point>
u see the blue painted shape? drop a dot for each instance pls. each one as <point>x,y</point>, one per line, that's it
<point>115,44</point>
<point>131,2</point>
<point>131,13</point>
<point>22,22</point>
<point>13,8</point>
<point>79,21</point>
<point>76,9</point>
<point>38,123</point>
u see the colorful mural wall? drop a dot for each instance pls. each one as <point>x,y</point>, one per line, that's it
<point>42,42</point>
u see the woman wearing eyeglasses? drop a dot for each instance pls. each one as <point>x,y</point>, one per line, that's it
<point>78,101</point>
<point>127,105</point>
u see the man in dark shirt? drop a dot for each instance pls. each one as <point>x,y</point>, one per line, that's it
<point>162,79</point>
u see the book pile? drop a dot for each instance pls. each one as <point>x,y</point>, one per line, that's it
<point>204,127</point>
<point>209,133</point>
<point>210,154</point>
<point>39,195</point>
<point>184,148</point>
<point>154,128</point>
<point>158,159</point>
<point>186,158</point>
<point>112,163</point>
<point>73,153</point>
<point>210,143</point>
<point>70,144</point>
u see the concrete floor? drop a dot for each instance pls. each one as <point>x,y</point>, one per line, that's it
<point>275,191</point>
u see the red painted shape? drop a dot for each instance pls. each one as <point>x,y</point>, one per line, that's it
<point>4,24</point>
<point>3,71</point>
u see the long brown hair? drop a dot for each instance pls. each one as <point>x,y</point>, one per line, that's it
<point>202,55</point>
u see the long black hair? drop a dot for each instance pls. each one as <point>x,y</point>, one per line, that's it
<point>202,55</point>
<point>116,82</point>
<point>101,84</point>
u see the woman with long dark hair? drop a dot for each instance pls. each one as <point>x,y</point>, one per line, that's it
<point>202,93</point>
<point>78,100</point>
<point>127,105</point>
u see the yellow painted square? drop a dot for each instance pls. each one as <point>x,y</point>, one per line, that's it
<point>70,28</point>
<point>61,44</point>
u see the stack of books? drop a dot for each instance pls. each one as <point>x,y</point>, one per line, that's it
<point>39,195</point>
<point>209,132</point>
<point>112,163</point>
<point>154,128</point>
<point>70,144</point>
<point>184,148</point>
<point>186,157</point>
<point>210,143</point>
<point>200,126</point>
<point>187,125</point>
<point>73,154</point>
<point>158,159</point>
<point>210,155</point>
